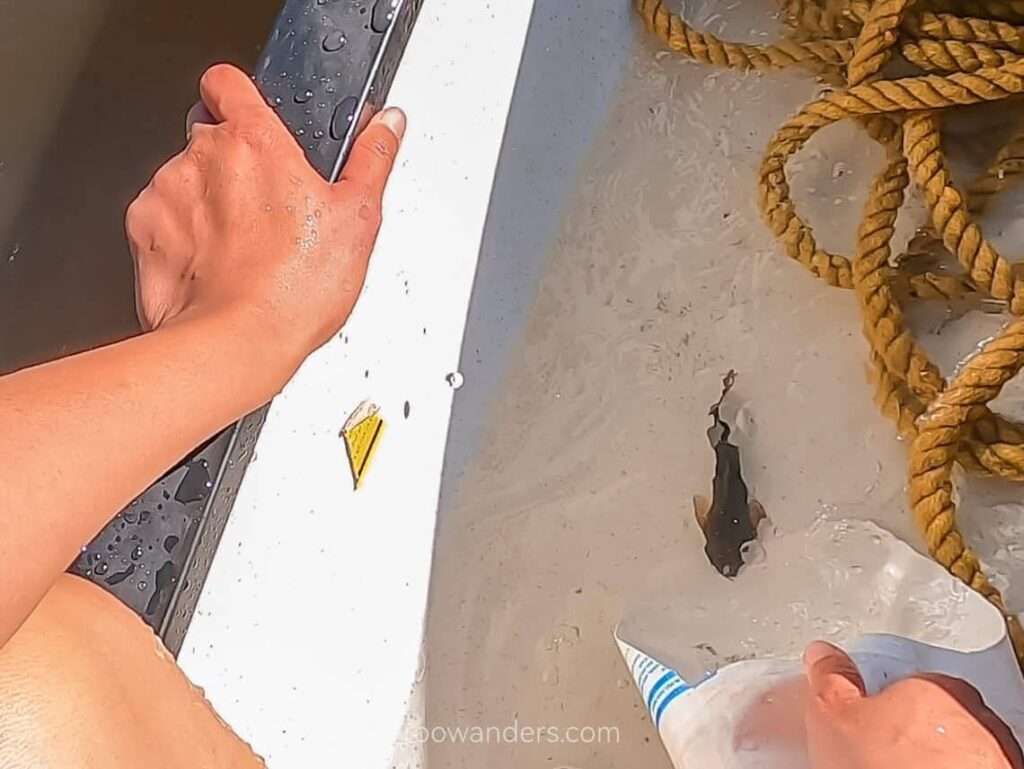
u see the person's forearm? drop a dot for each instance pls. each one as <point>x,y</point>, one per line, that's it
<point>82,436</point>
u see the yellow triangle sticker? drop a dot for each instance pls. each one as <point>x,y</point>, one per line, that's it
<point>362,433</point>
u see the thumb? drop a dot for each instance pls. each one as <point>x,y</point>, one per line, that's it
<point>832,676</point>
<point>373,154</point>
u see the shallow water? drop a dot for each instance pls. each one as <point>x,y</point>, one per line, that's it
<point>579,438</point>
<point>95,95</point>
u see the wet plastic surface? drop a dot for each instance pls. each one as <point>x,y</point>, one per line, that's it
<point>326,62</point>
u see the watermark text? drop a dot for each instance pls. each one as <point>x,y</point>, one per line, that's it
<point>511,734</point>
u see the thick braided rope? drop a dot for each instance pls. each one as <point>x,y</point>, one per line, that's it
<point>977,48</point>
<point>925,92</point>
<point>811,19</point>
<point>1002,10</point>
<point>896,355</point>
<point>910,378</point>
<point>946,27</point>
<point>874,46</point>
<point>933,452</point>
<point>1001,173</point>
<point>884,328</point>
<point>954,56</point>
<point>952,221</point>
<point>953,19</point>
<point>819,56</point>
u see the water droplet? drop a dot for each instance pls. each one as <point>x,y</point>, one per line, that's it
<point>334,41</point>
<point>121,576</point>
<point>195,485</point>
<point>383,14</point>
<point>406,409</point>
<point>318,134</point>
<point>170,543</point>
<point>101,568</point>
<point>343,116</point>
<point>15,250</point>
<point>455,380</point>
<point>304,96</point>
<point>136,553</point>
<point>550,676</point>
<point>143,585</point>
<point>300,131</point>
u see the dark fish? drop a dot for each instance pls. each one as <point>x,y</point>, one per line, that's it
<point>731,520</point>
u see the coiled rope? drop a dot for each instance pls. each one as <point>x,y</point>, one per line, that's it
<point>968,52</point>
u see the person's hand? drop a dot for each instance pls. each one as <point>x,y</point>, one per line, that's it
<point>240,227</point>
<point>924,722</point>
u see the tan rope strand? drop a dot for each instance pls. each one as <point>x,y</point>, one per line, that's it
<point>987,268</point>
<point>1002,10</point>
<point>707,48</point>
<point>810,19</point>
<point>933,452</point>
<point>947,27</point>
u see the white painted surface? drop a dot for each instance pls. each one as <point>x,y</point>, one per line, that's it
<point>307,636</point>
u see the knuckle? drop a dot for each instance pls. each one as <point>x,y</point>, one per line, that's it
<point>165,178</point>
<point>381,147</point>
<point>138,225</point>
<point>255,132</point>
<point>201,144</point>
<point>133,218</point>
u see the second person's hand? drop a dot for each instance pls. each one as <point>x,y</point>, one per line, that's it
<point>924,722</point>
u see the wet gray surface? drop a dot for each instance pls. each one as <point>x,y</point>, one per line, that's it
<point>96,93</point>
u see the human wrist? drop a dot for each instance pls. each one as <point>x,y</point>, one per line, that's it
<point>242,346</point>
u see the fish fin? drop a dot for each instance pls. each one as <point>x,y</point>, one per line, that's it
<point>757,513</point>
<point>701,511</point>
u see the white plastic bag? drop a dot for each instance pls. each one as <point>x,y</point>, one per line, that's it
<point>901,614</point>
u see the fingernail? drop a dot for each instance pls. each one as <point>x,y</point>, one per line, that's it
<point>394,119</point>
